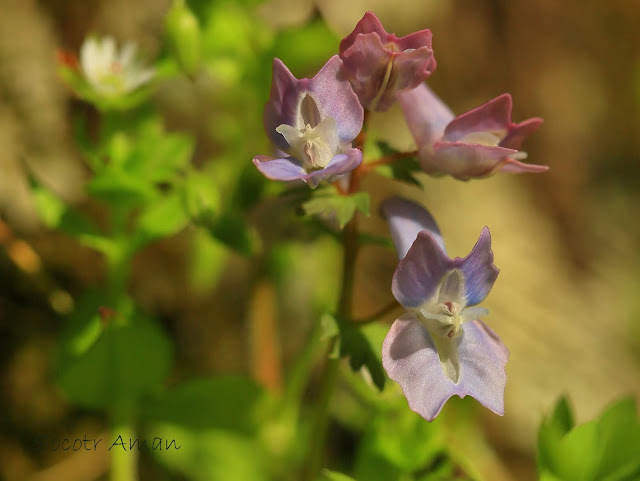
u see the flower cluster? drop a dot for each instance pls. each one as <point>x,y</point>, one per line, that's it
<point>439,348</point>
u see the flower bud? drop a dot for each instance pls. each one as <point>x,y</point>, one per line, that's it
<point>185,39</point>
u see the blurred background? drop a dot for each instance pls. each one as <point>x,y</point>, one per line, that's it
<point>567,302</point>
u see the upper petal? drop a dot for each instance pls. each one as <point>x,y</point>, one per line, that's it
<point>282,104</point>
<point>426,115</point>
<point>419,273</point>
<point>519,132</point>
<point>335,98</point>
<point>494,115</point>
<point>406,219</point>
<point>478,270</point>
<point>410,358</point>
<point>369,23</point>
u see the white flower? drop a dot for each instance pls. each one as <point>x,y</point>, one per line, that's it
<point>111,72</point>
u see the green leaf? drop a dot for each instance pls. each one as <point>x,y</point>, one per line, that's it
<point>355,345</point>
<point>224,402</point>
<point>399,444</point>
<point>214,420</point>
<point>338,209</point>
<point>607,448</point>
<point>620,439</point>
<point>211,455</point>
<point>334,476</point>
<point>401,169</point>
<point>551,432</point>
<point>125,363</point>
<point>117,187</point>
<point>164,218</point>
<point>232,230</point>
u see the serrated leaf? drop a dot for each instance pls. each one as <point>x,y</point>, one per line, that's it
<point>338,209</point>
<point>355,345</point>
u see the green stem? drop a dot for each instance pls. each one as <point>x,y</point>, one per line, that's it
<point>124,462</point>
<point>330,374</point>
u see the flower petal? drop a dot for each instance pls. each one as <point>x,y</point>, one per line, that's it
<point>406,219</point>
<point>279,169</point>
<point>463,160</point>
<point>369,23</point>
<point>427,116</point>
<point>282,104</point>
<point>418,275</point>
<point>513,166</point>
<point>335,98</point>
<point>519,132</point>
<point>410,358</point>
<point>478,269</point>
<point>366,62</point>
<point>340,164</point>
<point>494,115</point>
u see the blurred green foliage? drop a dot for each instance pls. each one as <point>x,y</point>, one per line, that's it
<point>605,449</point>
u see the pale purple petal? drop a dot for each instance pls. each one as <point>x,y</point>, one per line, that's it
<point>279,169</point>
<point>494,115</point>
<point>335,98</point>
<point>282,104</point>
<point>410,358</point>
<point>478,269</point>
<point>340,164</point>
<point>426,115</point>
<point>419,273</point>
<point>406,219</point>
<point>464,161</point>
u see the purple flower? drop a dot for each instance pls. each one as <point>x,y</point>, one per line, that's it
<point>379,64</point>
<point>476,144</point>
<point>439,348</point>
<point>312,123</point>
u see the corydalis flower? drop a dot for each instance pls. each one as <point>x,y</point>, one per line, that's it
<point>476,144</point>
<point>379,64</point>
<point>439,348</point>
<point>110,72</point>
<point>312,123</point>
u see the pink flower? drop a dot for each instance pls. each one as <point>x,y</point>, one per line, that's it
<point>476,144</point>
<point>379,64</point>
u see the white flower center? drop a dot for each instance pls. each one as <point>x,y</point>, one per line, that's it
<point>444,314</point>
<point>313,146</point>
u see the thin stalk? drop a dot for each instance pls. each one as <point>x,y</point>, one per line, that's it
<point>330,374</point>
<point>124,463</point>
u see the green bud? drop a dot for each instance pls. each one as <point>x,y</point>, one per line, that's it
<point>185,38</point>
